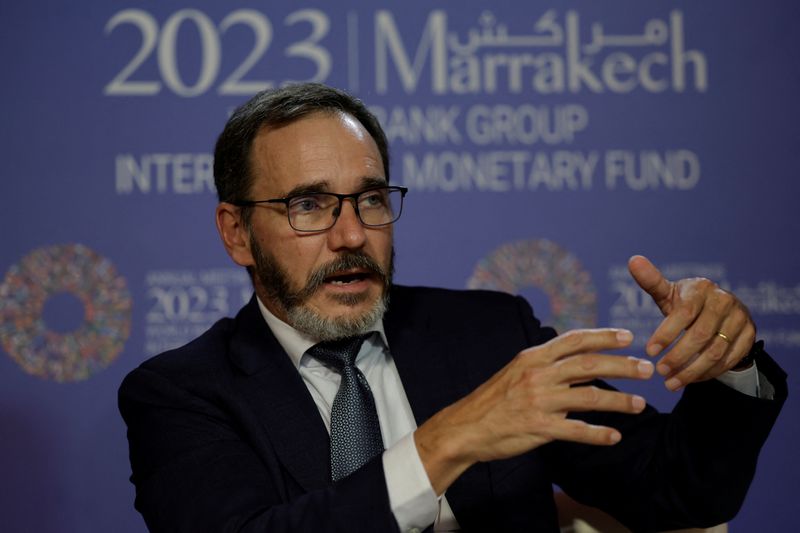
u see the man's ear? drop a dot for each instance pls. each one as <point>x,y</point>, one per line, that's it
<point>235,236</point>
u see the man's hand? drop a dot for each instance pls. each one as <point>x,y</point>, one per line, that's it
<point>525,404</point>
<point>712,327</point>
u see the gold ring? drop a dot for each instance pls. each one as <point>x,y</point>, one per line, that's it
<point>725,337</point>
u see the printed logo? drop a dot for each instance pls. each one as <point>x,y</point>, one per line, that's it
<point>547,266</point>
<point>75,355</point>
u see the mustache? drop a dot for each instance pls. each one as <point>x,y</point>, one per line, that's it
<point>346,261</point>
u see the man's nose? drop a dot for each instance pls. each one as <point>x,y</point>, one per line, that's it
<point>347,232</point>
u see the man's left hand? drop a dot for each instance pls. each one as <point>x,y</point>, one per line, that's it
<point>711,328</point>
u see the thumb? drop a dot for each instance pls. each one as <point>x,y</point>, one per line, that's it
<point>651,281</point>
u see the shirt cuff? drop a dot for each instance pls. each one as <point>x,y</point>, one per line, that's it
<point>411,496</point>
<point>744,381</point>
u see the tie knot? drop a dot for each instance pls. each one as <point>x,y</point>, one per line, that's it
<point>340,353</point>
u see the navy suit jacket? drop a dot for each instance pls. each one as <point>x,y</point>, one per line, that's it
<point>224,435</point>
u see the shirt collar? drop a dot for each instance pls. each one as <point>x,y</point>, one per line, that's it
<point>296,343</point>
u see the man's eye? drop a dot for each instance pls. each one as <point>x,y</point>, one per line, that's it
<point>373,199</point>
<point>304,204</point>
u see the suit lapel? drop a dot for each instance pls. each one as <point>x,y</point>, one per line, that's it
<point>280,400</point>
<point>433,374</point>
<point>421,362</point>
<point>429,367</point>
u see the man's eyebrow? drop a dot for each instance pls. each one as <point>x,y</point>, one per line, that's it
<point>369,182</point>
<point>309,188</point>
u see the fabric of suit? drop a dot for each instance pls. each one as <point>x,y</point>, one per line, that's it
<point>224,435</point>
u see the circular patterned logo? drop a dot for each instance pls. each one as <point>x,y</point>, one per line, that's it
<point>545,265</point>
<point>76,355</point>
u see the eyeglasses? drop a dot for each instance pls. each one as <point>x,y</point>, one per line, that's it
<point>319,211</point>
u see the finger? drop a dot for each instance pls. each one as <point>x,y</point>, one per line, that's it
<point>718,356</point>
<point>590,398</point>
<point>737,350</point>
<point>586,367</point>
<point>693,296</point>
<point>701,337</point>
<point>716,370</point>
<point>577,341</point>
<point>699,365</point>
<point>740,348</point>
<point>650,279</point>
<point>580,431</point>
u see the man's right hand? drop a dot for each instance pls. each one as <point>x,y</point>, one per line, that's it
<point>525,404</point>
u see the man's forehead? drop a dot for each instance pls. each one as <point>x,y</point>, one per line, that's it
<point>316,153</point>
<point>331,116</point>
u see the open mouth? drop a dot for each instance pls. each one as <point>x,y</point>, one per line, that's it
<point>347,278</point>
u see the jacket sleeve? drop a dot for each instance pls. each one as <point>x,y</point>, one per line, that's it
<point>689,468</point>
<point>195,470</point>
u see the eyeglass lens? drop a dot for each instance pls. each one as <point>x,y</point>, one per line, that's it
<point>317,212</point>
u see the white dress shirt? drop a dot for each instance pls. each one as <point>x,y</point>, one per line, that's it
<point>411,496</point>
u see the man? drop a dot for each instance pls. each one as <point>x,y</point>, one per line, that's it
<point>245,429</point>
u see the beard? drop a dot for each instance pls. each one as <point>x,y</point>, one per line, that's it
<point>275,281</point>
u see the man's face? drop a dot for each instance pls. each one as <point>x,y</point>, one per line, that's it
<point>332,283</point>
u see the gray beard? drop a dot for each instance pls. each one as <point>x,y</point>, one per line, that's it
<point>275,281</point>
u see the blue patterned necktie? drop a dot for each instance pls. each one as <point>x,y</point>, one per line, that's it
<point>355,430</point>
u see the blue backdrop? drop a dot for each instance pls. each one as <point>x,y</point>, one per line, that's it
<point>543,145</point>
